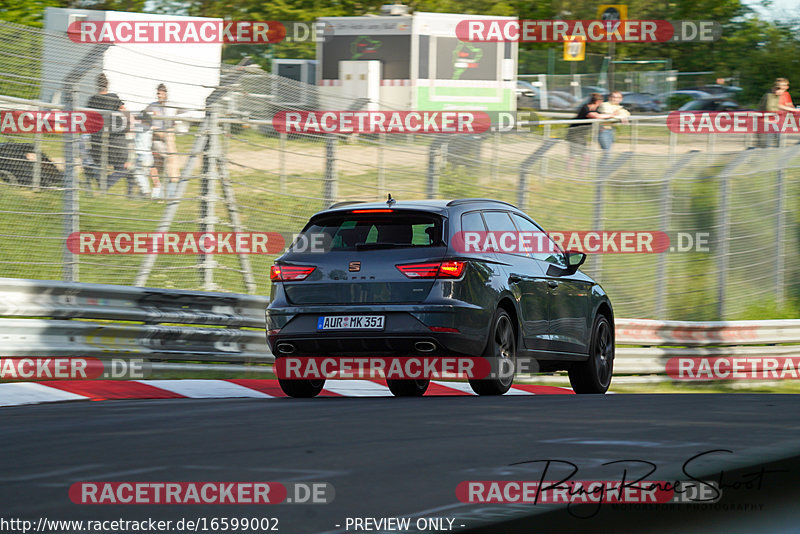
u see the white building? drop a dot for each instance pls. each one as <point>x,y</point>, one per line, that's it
<point>190,71</point>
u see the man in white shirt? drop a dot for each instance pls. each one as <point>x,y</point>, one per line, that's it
<point>612,108</point>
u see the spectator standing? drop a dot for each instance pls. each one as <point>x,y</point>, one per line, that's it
<point>612,109</point>
<point>145,167</point>
<point>164,145</point>
<point>784,98</point>
<point>577,132</point>
<point>117,149</point>
<point>775,101</point>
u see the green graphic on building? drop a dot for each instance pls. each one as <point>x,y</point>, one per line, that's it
<point>364,45</point>
<point>465,56</point>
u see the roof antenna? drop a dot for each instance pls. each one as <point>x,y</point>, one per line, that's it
<point>390,201</point>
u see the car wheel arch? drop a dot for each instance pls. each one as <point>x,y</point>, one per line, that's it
<point>604,308</point>
<point>510,307</point>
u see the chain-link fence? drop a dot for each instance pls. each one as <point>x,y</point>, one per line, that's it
<point>234,172</point>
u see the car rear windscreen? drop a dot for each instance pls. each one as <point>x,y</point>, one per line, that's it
<point>352,231</point>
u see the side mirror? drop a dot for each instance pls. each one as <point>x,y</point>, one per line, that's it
<point>574,261</point>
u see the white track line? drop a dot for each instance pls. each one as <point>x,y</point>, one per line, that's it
<point>206,389</point>
<point>357,388</point>
<point>458,386</point>
<point>16,394</point>
<point>515,391</point>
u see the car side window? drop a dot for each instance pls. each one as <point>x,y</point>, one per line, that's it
<point>472,222</point>
<point>545,249</point>
<point>498,221</point>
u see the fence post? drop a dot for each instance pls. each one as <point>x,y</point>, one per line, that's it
<point>104,160</point>
<point>208,197</point>
<point>576,86</point>
<point>724,226</point>
<point>543,91</point>
<point>780,224</point>
<point>282,161</point>
<point>329,192</point>
<point>543,170</point>
<point>435,155</point>
<point>673,142</point>
<point>71,198</point>
<point>37,164</point>
<point>495,166</point>
<point>381,167</point>
<point>599,193</point>
<point>661,277</point>
<point>522,188</point>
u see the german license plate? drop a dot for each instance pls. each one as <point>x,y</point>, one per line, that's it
<point>350,322</point>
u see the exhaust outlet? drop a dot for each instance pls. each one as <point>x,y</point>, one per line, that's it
<point>285,348</point>
<point>424,346</point>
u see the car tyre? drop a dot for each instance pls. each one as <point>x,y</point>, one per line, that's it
<point>303,388</point>
<point>502,345</point>
<point>594,375</point>
<point>408,388</point>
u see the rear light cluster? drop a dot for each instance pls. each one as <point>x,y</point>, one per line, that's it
<point>443,269</point>
<point>289,273</point>
<point>443,329</point>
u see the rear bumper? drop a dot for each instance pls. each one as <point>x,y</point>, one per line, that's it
<point>292,331</point>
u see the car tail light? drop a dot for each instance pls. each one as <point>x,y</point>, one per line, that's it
<point>451,269</point>
<point>289,273</point>
<point>444,269</point>
<point>373,211</point>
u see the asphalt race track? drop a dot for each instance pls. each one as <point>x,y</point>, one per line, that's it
<point>390,457</point>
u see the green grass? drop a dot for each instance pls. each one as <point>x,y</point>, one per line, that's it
<point>565,197</point>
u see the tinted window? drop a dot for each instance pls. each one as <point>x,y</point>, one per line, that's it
<point>352,231</point>
<point>472,222</point>
<point>544,247</point>
<point>498,221</point>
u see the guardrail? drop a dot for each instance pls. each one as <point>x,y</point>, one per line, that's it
<point>648,345</point>
<point>52,318</point>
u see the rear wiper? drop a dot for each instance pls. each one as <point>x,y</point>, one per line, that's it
<point>367,246</point>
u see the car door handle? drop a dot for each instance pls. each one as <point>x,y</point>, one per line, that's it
<point>514,278</point>
<point>553,283</point>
